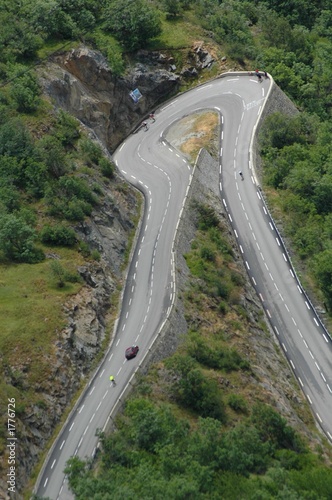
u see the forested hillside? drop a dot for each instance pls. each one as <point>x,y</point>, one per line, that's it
<point>193,442</point>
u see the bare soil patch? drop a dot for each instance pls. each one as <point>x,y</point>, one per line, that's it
<point>196,131</point>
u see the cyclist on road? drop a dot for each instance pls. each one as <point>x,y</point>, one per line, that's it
<point>112,379</point>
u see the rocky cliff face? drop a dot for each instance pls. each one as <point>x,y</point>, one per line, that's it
<point>81,82</point>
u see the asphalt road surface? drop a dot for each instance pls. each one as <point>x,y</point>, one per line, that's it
<point>163,174</point>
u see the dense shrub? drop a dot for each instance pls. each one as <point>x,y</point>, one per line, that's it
<point>58,235</point>
<point>208,254</point>
<point>66,129</point>
<point>195,391</point>
<point>237,403</point>
<point>217,356</point>
<point>74,187</point>
<point>15,139</point>
<point>132,22</point>
<point>112,50</point>
<point>76,210</point>
<point>200,394</point>
<point>106,167</point>
<point>223,308</point>
<point>243,451</point>
<point>25,92</point>
<point>215,235</point>
<point>35,177</point>
<point>90,150</point>
<point>49,150</point>
<point>9,198</point>
<point>273,428</point>
<point>70,198</point>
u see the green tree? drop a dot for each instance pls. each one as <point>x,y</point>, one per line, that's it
<point>303,179</point>
<point>49,151</point>
<point>17,240</point>
<point>278,164</point>
<point>15,139</point>
<point>35,177</point>
<point>133,22</point>
<point>297,11</point>
<point>173,8</point>
<point>25,92</point>
<point>117,450</point>
<point>316,480</point>
<point>70,187</point>
<point>201,395</point>
<point>229,24</point>
<point>307,237</point>
<point>9,197</point>
<point>277,30</point>
<point>273,428</point>
<point>205,442</point>
<point>243,451</point>
<point>322,73</point>
<point>280,131</point>
<point>323,24</point>
<point>75,471</point>
<point>64,18</point>
<point>153,427</point>
<point>84,13</point>
<point>12,171</point>
<point>18,39</point>
<point>180,364</point>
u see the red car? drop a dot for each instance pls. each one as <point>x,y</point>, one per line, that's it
<point>131,352</point>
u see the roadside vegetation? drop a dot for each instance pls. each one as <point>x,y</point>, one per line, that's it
<point>297,156</point>
<point>195,440</point>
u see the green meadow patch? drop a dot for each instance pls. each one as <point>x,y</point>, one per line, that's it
<point>31,317</point>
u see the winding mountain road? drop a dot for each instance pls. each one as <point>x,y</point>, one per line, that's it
<point>163,174</point>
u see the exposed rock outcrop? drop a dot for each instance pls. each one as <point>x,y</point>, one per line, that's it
<point>81,82</point>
